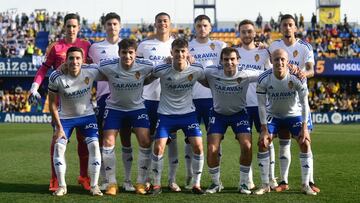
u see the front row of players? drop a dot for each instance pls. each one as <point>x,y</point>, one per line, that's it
<point>285,92</point>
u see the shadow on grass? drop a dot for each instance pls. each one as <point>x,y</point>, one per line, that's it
<point>36,188</point>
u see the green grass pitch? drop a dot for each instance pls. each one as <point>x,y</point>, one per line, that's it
<point>25,169</point>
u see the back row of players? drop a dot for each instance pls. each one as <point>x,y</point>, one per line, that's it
<point>155,113</point>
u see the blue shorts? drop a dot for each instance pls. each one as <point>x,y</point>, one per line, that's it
<point>253,113</point>
<point>170,123</point>
<point>101,103</point>
<point>203,107</point>
<point>116,119</point>
<point>219,123</point>
<point>86,125</point>
<point>293,124</point>
<point>152,107</point>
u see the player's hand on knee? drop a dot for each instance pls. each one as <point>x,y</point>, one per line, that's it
<point>265,140</point>
<point>304,136</point>
<point>59,134</point>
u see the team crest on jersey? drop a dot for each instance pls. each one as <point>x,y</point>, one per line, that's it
<point>290,84</point>
<point>238,80</point>
<point>87,80</point>
<point>137,75</point>
<point>257,57</point>
<point>190,77</point>
<point>295,53</point>
<point>212,46</point>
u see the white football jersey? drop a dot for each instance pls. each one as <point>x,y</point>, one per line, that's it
<point>126,86</point>
<point>155,51</point>
<point>229,93</point>
<point>282,95</point>
<point>299,53</point>
<point>176,88</point>
<point>101,51</point>
<point>74,92</point>
<point>254,59</point>
<point>206,54</point>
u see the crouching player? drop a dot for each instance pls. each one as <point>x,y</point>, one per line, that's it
<point>73,87</point>
<point>287,98</point>
<point>125,109</point>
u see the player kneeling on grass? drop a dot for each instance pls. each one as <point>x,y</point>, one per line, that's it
<point>125,109</point>
<point>73,87</point>
<point>287,106</point>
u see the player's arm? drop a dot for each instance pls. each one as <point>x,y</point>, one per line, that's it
<point>303,97</point>
<point>59,131</point>
<point>265,138</point>
<point>149,79</point>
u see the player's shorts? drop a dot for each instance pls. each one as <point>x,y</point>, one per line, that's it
<point>293,124</point>
<point>101,103</point>
<point>253,113</point>
<point>170,123</point>
<point>152,107</point>
<point>219,123</point>
<point>87,125</point>
<point>203,107</point>
<point>116,119</point>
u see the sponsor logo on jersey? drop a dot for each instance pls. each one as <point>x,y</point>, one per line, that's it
<point>257,57</point>
<point>137,75</point>
<point>190,77</point>
<point>87,80</point>
<point>290,84</point>
<point>295,53</point>
<point>212,46</point>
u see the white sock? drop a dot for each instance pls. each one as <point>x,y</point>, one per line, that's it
<point>127,159</point>
<point>250,178</point>
<point>311,167</point>
<point>109,160</point>
<point>272,161</point>
<point>197,165</point>
<point>215,175</point>
<point>59,161</point>
<point>102,177</point>
<point>305,167</point>
<point>144,162</point>
<point>244,174</point>
<point>285,159</point>
<point>173,160</point>
<point>94,160</point>
<point>157,163</point>
<point>264,163</point>
<point>188,158</point>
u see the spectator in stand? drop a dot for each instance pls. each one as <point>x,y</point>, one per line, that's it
<point>313,21</point>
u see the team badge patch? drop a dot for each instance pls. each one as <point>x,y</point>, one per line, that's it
<point>238,80</point>
<point>137,75</point>
<point>295,53</point>
<point>212,46</point>
<point>290,84</point>
<point>87,80</point>
<point>190,77</point>
<point>257,57</point>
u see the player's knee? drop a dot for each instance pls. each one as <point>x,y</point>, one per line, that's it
<point>198,149</point>
<point>305,147</point>
<point>212,149</point>
<point>158,149</point>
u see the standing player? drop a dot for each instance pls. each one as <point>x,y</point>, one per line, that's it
<point>126,107</point>
<point>176,111</point>
<point>301,54</point>
<point>74,90</point>
<point>55,56</point>
<point>287,108</point>
<point>98,52</point>
<point>207,53</point>
<point>229,83</point>
<point>254,58</point>
<point>157,50</point>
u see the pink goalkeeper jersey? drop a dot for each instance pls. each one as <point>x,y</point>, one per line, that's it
<point>56,55</point>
